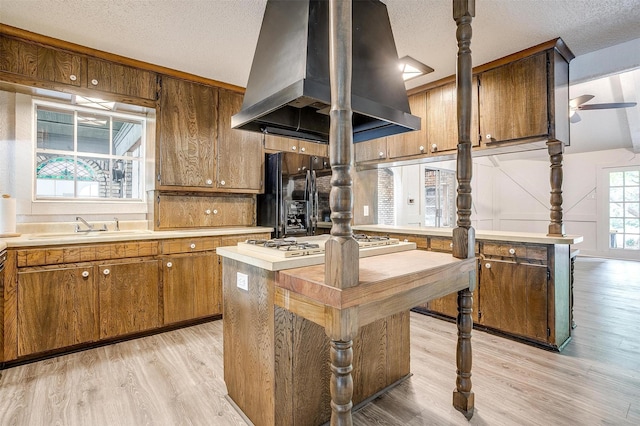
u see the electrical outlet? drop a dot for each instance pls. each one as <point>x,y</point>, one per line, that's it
<point>366,210</point>
<point>242,281</point>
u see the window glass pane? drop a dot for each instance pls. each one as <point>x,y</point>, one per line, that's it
<point>631,210</point>
<point>616,178</point>
<point>55,175</point>
<point>632,226</point>
<point>631,242</point>
<point>632,178</point>
<point>54,129</point>
<point>127,137</point>
<point>93,177</point>
<point>616,225</point>
<point>616,210</point>
<point>631,193</point>
<point>616,194</point>
<point>93,133</point>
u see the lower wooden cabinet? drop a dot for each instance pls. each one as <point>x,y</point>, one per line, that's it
<point>56,308</point>
<point>129,297</point>
<point>191,287</point>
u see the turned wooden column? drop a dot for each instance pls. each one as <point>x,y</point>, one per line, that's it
<point>556,226</point>
<point>341,250</point>
<point>464,234</point>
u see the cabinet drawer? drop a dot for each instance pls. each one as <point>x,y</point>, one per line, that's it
<point>85,253</point>
<point>196,211</point>
<point>420,240</point>
<point>514,251</point>
<point>189,245</point>
<point>232,240</point>
<point>441,244</point>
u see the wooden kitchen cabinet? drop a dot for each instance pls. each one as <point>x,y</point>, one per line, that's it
<point>18,57</point>
<point>129,297</point>
<point>120,79</point>
<point>193,210</point>
<point>411,143</point>
<point>59,66</point>
<point>56,308</point>
<point>240,161</point>
<point>442,118</point>
<point>191,287</point>
<point>186,135</point>
<point>279,143</point>
<point>372,150</point>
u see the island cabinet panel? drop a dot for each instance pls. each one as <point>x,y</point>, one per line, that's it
<point>411,143</point>
<point>56,308</point>
<point>514,298</point>
<point>186,134</point>
<point>120,79</point>
<point>190,287</point>
<point>442,117</point>
<point>240,162</point>
<point>129,297</point>
<point>175,210</point>
<point>514,103</point>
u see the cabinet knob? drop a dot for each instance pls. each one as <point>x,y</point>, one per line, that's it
<point>192,245</point>
<point>222,182</point>
<point>434,147</point>
<point>94,82</point>
<point>406,240</point>
<point>293,148</point>
<point>207,211</point>
<point>303,149</point>
<point>209,181</point>
<point>489,136</point>
<point>106,272</point>
<point>512,251</point>
<point>73,77</point>
<point>450,245</point>
<point>215,211</point>
<point>421,148</point>
<point>487,265</point>
<point>85,274</point>
<point>381,154</point>
<point>169,264</point>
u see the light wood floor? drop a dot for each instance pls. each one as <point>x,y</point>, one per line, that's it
<point>175,378</point>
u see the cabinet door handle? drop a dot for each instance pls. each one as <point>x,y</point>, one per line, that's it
<point>421,148</point>
<point>434,147</point>
<point>487,265</point>
<point>192,245</point>
<point>450,245</point>
<point>94,82</point>
<point>303,149</point>
<point>169,264</point>
<point>512,251</point>
<point>207,211</point>
<point>293,148</point>
<point>106,272</point>
<point>85,274</point>
<point>489,136</point>
<point>209,182</point>
<point>72,77</point>
<point>381,154</point>
<point>215,211</point>
<point>222,182</point>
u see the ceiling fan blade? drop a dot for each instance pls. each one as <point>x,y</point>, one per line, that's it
<point>575,102</point>
<point>607,106</point>
<point>574,118</point>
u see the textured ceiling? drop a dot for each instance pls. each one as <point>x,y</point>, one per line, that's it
<point>216,38</point>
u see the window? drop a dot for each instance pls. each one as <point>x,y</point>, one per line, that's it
<point>85,154</point>
<point>624,209</point>
<point>439,198</point>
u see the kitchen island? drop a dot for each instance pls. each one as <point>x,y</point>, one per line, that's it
<point>276,312</point>
<point>524,289</point>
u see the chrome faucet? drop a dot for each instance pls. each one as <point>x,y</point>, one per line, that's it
<point>89,226</point>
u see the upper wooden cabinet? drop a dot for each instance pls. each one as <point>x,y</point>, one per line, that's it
<point>411,143</point>
<point>240,158</point>
<point>371,150</point>
<point>279,143</point>
<point>442,118</point>
<point>186,134</point>
<point>120,79</point>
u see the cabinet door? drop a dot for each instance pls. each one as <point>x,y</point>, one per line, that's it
<point>59,66</point>
<point>193,211</point>
<point>129,297</point>
<point>442,118</point>
<point>56,308</point>
<point>411,143</point>
<point>513,298</point>
<point>191,288</point>
<point>513,100</point>
<point>18,57</point>
<point>240,160</point>
<point>186,134</point>
<point>120,79</point>
<point>371,150</point>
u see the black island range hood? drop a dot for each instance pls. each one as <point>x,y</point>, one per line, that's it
<point>289,91</point>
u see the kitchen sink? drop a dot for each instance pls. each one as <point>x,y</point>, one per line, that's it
<point>52,235</point>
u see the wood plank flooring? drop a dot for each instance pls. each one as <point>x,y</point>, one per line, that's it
<point>176,378</point>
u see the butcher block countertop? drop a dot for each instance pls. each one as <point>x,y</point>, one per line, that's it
<point>522,237</point>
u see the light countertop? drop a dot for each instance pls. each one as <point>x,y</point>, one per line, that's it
<point>522,237</point>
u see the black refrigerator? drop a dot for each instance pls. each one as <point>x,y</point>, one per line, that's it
<point>296,194</point>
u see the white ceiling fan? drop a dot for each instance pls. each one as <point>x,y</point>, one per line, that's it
<point>578,104</point>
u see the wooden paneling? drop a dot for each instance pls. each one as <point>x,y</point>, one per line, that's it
<point>112,77</point>
<point>240,163</point>
<point>190,287</point>
<point>18,57</point>
<point>409,143</point>
<point>513,100</point>
<point>129,297</point>
<point>195,211</point>
<point>187,131</point>
<point>56,308</point>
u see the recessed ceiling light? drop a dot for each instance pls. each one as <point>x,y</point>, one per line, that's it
<point>412,68</point>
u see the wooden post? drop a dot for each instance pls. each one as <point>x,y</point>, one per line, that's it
<point>464,234</point>
<point>556,226</point>
<point>341,250</point>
